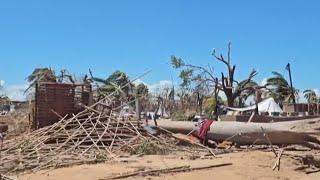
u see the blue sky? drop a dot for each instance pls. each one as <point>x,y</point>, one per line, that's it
<point>135,36</point>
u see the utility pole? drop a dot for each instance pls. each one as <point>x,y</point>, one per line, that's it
<point>292,90</point>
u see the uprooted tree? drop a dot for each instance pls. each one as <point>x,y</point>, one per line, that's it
<point>204,76</point>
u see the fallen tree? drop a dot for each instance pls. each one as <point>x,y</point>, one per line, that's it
<point>278,133</point>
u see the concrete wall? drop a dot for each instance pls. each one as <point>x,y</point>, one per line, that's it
<point>311,108</point>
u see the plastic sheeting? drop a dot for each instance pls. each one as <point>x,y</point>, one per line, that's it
<point>267,105</point>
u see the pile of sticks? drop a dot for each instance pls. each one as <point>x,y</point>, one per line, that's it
<point>88,136</point>
<point>99,133</point>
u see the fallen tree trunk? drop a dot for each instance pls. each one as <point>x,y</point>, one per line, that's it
<point>278,133</point>
<point>258,133</point>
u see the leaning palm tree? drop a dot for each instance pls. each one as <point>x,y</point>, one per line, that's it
<point>280,89</point>
<point>41,75</point>
<point>116,81</point>
<point>311,97</point>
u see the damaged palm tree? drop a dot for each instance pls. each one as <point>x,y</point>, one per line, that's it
<point>280,89</point>
<point>41,75</point>
<point>228,82</point>
<point>203,76</point>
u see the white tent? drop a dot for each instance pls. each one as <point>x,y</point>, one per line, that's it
<point>267,105</point>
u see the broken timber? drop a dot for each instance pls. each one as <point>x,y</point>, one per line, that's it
<point>164,171</point>
<point>90,136</point>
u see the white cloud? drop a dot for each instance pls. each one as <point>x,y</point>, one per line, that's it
<point>301,98</point>
<point>156,87</point>
<point>317,91</point>
<point>14,92</point>
<point>264,81</point>
<point>139,81</point>
<point>2,82</point>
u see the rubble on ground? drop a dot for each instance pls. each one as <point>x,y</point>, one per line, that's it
<point>96,134</point>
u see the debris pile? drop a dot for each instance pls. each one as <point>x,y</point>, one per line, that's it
<point>97,134</point>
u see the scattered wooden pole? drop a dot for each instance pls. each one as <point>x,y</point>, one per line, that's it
<point>164,171</point>
<point>277,164</point>
<point>268,139</point>
<point>3,177</point>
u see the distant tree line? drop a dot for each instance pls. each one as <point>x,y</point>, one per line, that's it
<point>200,86</point>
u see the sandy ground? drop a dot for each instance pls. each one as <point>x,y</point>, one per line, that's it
<point>245,165</point>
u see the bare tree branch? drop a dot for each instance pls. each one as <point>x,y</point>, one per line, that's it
<point>220,58</point>
<point>200,68</point>
<point>229,52</point>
